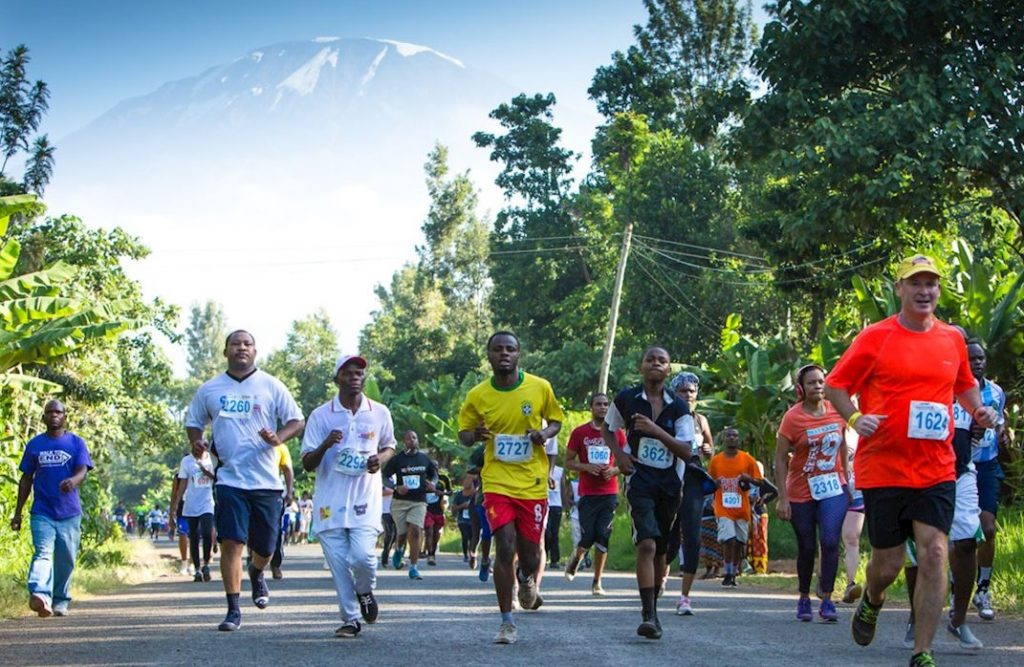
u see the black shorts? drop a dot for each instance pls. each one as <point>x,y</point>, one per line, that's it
<point>252,517</point>
<point>990,482</point>
<point>596,516</point>
<point>891,512</point>
<point>652,512</point>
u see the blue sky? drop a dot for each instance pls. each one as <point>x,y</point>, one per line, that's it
<point>94,54</point>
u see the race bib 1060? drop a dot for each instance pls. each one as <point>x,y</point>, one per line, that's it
<point>651,452</point>
<point>350,462</point>
<point>599,455</point>
<point>236,406</point>
<point>928,420</point>
<point>825,486</point>
<point>513,448</point>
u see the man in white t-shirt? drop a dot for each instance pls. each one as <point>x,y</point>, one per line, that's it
<point>195,484</point>
<point>347,440</point>
<point>251,413</point>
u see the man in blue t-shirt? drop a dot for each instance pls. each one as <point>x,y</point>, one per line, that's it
<point>53,467</point>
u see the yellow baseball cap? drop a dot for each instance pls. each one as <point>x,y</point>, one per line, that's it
<point>915,264</point>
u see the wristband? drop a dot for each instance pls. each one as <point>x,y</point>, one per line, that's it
<point>853,418</point>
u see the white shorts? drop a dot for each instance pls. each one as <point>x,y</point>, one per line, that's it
<point>729,529</point>
<point>967,513</point>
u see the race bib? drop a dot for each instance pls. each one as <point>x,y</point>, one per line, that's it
<point>199,479</point>
<point>465,514</point>
<point>599,454</point>
<point>431,498</point>
<point>236,406</point>
<point>350,462</point>
<point>928,421</point>
<point>732,500</point>
<point>651,452</point>
<point>825,486</point>
<point>961,418</point>
<point>513,448</point>
<point>411,482</point>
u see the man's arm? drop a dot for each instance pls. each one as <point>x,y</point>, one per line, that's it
<point>289,482</point>
<point>646,425</point>
<point>971,401</point>
<point>73,482</point>
<point>864,425</point>
<point>311,459</point>
<point>177,492</point>
<point>24,489</point>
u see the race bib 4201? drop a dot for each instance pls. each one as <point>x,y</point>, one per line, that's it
<point>513,448</point>
<point>731,500</point>
<point>651,452</point>
<point>928,420</point>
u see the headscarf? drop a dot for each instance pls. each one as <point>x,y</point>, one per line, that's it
<point>685,377</point>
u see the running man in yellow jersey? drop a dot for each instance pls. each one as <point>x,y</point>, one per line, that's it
<point>506,412</point>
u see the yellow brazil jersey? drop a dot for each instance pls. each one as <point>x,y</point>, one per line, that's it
<point>513,466</point>
<point>284,457</point>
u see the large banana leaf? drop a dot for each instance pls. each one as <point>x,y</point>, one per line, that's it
<point>9,254</point>
<point>39,283</point>
<point>17,312</point>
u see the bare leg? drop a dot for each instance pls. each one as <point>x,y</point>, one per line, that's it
<point>963,563</point>
<point>504,568</point>
<point>931,583</point>
<point>853,524</point>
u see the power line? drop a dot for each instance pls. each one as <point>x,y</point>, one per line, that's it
<point>700,247</point>
<point>698,314</point>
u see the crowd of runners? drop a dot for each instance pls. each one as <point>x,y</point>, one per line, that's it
<point>901,435</point>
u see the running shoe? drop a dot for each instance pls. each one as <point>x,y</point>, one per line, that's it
<point>260,592</point>
<point>349,630</point>
<point>472,562</point>
<point>60,610</point>
<point>803,610</point>
<point>368,607</point>
<point>231,622</point>
<point>198,578</point>
<point>465,558</point>
<point>683,607</point>
<point>382,562</point>
<point>538,603</point>
<point>570,569</point>
<point>276,572</point>
<point>555,566</point>
<point>908,636</point>
<point>864,621</point>
<point>40,605</point>
<point>527,590</point>
<point>507,634</point>
<point>431,560</point>
<point>184,571</point>
<point>396,559</point>
<point>586,561</point>
<point>597,589</point>
<point>965,638</point>
<point>649,627</point>
<point>206,573</point>
<point>922,659</point>
<point>485,570</point>
<point>983,603</point>
<point>853,592</point>
<point>827,611</point>
<point>414,573</point>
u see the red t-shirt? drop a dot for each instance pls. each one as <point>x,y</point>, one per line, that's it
<point>817,448</point>
<point>910,377</point>
<point>586,440</point>
<point>731,501</point>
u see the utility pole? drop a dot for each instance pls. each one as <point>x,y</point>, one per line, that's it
<point>613,319</point>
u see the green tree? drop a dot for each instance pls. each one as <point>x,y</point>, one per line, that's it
<point>882,118</point>
<point>22,105</point>
<point>435,317</point>
<point>204,340</point>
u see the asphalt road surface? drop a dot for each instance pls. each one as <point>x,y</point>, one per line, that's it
<point>450,618</point>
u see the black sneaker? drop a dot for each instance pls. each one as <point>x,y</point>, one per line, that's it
<point>571,568</point>
<point>198,577</point>
<point>649,628</point>
<point>231,622</point>
<point>729,580</point>
<point>368,607</point>
<point>260,592</point>
<point>922,659</point>
<point>349,630</point>
<point>206,572</point>
<point>865,618</point>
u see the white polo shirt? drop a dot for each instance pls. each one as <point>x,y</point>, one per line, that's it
<point>238,410</point>
<point>345,495</point>
<point>199,492</point>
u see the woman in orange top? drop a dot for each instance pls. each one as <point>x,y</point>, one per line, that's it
<point>813,493</point>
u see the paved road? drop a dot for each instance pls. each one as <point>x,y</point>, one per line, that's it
<point>450,618</point>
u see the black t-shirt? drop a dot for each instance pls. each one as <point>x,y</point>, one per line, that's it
<point>411,470</point>
<point>462,516</point>
<point>962,449</point>
<point>442,488</point>
<point>631,402</point>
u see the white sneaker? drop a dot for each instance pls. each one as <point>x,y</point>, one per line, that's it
<point>683,607</point>
<point>507,634</point>
<point>983,603</point>
<point>965,638</point>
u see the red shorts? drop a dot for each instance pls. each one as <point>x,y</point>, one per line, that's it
<point>433,520</point>
<point>528,515</point>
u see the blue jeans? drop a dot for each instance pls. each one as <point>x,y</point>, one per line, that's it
<point>56,547</point>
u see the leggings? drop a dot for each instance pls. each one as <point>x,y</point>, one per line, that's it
<point>551,534</point>
<point>390,535</point>
<point>466,530</point>
<point>200,527</point>
<point>826,515</point>
<point>686,528</point>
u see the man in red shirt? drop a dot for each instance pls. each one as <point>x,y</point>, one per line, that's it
<point>588,455</point>
<point>906,370</point>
